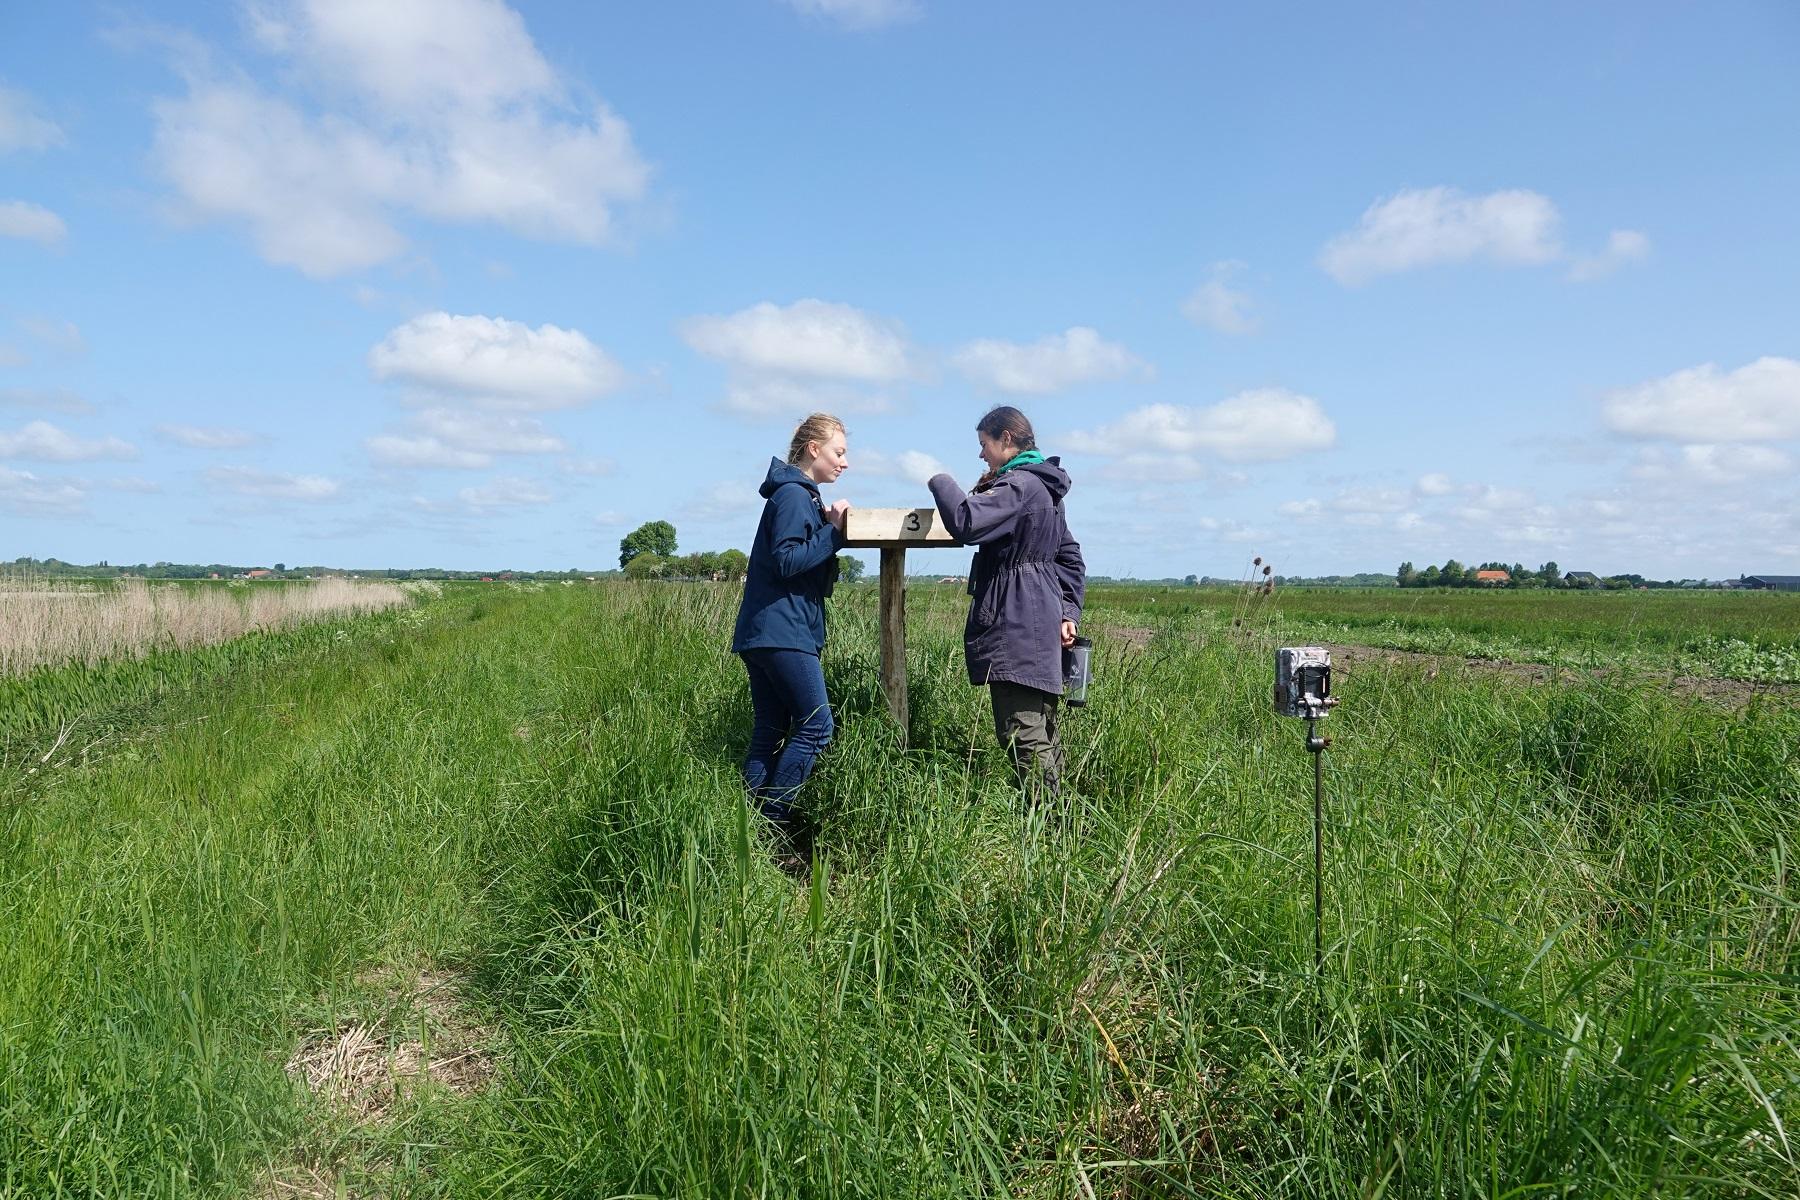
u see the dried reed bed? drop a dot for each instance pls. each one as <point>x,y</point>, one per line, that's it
<point>43,623</point>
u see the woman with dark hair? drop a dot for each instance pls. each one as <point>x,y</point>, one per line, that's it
<point>1026,587</point>
<point>781,625</point>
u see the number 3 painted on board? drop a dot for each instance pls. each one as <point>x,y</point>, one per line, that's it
<point>912,522</point>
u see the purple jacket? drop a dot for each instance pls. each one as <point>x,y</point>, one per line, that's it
<point>1027,577</point>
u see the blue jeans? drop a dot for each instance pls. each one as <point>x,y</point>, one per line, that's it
<point>792,726</point>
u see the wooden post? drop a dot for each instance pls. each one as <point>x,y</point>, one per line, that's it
<point>892,530</point>
<point>893,635</point>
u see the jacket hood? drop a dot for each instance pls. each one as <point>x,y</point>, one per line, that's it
<point>785,472</point>
<point>1051,472</point>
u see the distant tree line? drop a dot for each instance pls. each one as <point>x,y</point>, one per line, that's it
<point>1518,575</point>
<point>649,552</point>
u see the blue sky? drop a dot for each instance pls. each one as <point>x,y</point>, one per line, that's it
<point>458,283</point>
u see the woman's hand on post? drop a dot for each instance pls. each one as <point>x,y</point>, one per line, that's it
<point>1068,633</point>
<point>836,514</point>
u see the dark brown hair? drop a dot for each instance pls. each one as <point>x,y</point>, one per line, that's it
<point>1007,419</point>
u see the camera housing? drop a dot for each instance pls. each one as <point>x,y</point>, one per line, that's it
<point>1303,682</point>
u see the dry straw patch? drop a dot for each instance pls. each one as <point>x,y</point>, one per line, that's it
<point>45,622</point>
<point>363,1068</point>
<point>422,1036</point>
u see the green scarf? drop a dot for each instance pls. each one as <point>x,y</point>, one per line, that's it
<point>1021,459</point>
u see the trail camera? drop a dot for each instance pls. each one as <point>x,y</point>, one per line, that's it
<point>1303,689</point>
<point>1303,681</point>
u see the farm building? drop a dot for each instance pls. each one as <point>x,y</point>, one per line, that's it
<point>1772,583</point>
<point>1493,578</point>
<point>1581,579</point>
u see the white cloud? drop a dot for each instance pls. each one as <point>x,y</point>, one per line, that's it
<point>45,442</point>
<point>1051,364</point>
<point>447,437</point>
<point>609,519</point>
<point>792,399</point>
<point>811,355</point>
<point>724,501</point>
<point>505,491</point>
<point>489,432</point>
<point>914,466</point>
<point>440,108</point>
<point>22,126</point>
<point>1434,484</point>
<point>1372,500</point>
<point>1302,509</point>
<point>496,363</point>
<point>1428,226</point>
<point>274,485</point>
<point>1254,426</point>
<point>61,336</point>
<point>589,467</point>
<point>53,399</point>
<point>1707,465</point>
<point>1228,530</point>
<point>918,467</point>
<point>1487,497</point>
<point>389,450</point>
<point>813,339</point>
<point>200,437</point>
<point>1624,246</point>
<point>133,484</point>
<point>858,14</point>
<point>27,494</point>
<point>1756,402</point>
<point>1215,305</point>
<point>20,219</point>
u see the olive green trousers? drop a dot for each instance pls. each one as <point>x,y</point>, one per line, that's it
<point>1025,723</point>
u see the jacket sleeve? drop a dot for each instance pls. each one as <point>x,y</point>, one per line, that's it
<point>796,544</point>
<point>983,517</point>
<point>1071,574</point>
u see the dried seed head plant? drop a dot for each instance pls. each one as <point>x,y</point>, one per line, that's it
<point>1255,599</point>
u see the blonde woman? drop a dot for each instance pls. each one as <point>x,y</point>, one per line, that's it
<point>781,624</point>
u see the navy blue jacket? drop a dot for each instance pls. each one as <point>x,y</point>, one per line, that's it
<point>793,567</point>
<point>1028,576</point>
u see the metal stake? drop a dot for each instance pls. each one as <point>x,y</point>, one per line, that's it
<point>1316,746</point>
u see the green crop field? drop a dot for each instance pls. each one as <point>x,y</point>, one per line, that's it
<point>461,900</point>
<point>1752,636</point>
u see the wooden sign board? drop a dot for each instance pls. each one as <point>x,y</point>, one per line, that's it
<point>893,531</point>
<point>889,528</point>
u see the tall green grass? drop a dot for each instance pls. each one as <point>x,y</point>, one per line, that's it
<point>1563,938</point>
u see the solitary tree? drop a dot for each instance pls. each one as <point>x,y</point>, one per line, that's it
<point>734,563</point>
<point>850,568</point>
<point>652,537</point>
<point>647,565</point>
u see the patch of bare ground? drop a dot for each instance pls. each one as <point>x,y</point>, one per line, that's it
<point>1721,691</point>
<point>1347,658</point>
<point>414,1034</point>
